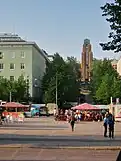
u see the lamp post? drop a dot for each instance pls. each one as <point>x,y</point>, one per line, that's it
<point>37,85</point>
<point>56,89</point>
<point>27,90</point>
<point>10,97</point>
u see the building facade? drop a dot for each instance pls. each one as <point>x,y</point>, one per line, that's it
<point>119,66</point>
<point>86,63</point>
<point>19,57</point>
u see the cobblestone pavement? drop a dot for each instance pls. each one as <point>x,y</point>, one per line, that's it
<point>57,154</point>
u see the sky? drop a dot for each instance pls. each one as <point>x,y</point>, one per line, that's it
<point>57,25</point>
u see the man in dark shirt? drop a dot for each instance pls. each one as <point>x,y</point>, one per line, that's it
<point>111,125</point>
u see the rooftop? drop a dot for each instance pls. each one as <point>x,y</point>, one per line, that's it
<point>14,39</point>
<point>8,37</point>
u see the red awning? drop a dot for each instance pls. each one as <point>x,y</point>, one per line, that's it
<point>84,106</point>
<point>14,105</point>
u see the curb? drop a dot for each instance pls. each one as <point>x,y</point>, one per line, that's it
<point>63,147</point>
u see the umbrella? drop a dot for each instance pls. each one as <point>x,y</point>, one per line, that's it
<point>14,105</point>
<point>84,106</point>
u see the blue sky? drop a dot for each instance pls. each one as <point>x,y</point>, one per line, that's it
<point>57,25</point>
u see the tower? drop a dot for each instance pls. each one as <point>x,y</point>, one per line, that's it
<point>87,57</point>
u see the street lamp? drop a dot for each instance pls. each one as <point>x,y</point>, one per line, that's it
<point>10,97</point>
<point>37,85</point>
<point>56,89</point>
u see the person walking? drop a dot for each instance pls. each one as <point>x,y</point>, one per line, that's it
<point>111,125</point>
<point>72,122</point>
<point>105,124</point>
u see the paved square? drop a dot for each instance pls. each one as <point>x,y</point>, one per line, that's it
<point>45,139</point>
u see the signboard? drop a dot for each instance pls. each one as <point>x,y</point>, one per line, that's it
<point>118,113</point>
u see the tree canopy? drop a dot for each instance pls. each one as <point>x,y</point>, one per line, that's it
<point>112,12</point>
<point>66,73</point>
<point>105,82</point>
<point>18,89</point>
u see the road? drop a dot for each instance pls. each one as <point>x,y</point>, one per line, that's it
<point>46,139</point>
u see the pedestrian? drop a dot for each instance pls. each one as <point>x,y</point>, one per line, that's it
<point>105,124</point>
<point>72,121</point>
<point>54,112</point>
<point>111,125</point>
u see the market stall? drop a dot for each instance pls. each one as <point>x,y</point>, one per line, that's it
<point>88,112</point>
<point>14,110</point>
<point>84,106</point>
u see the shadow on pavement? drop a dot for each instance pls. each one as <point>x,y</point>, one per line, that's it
<point>48,140</point>
<point>30,127</point>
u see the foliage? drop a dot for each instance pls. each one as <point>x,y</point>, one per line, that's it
<point>65,73</point>
<point>105,82</point>
<point>113,13</point>
<point>18,88</point>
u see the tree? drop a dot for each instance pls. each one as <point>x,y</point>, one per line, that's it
<point>21,87</point>
<point>113,13</point>
<point>67,85</point>
<point>5,86</point>
<point>116,88</point>
<point>18,89</point>
<point>105,82</point>
<point>72,61</point>
<point>103,92</point>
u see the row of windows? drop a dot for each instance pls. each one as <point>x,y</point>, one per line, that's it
<point>12,66</point>
<point>13,55</point>
<point>12,78</point>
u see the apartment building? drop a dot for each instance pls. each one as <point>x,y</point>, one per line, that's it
<point>19,57</point>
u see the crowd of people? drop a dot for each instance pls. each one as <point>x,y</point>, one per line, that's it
<point>75,116</point>
<point>80,115</point>
<point>108,123</point>
<point>9,118</point>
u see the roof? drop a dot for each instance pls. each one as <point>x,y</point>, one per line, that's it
<point>14,39</point>
<point>14,105</point>
<point>102,106</point>
<point>85,106</point>
<point>9,37</point>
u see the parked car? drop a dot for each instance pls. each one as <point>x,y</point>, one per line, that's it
<point>43,112</point>
<point>28,114</point>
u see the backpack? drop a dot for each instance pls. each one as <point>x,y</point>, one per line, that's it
<point>110,120</point>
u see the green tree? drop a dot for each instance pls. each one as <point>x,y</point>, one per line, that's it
<point>18,89</point>
<point>21,87</point>
<point>67,84</point>
<point>105,82</point>
<point>4,89</point>
<point>103,92</point>
<point>116,88</point>
<point>112,12</point>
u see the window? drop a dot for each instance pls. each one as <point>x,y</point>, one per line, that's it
<point>1,55</point>
<point>12,66</point>
<point>22,66</point>
<point>11,78</point>
<point>22,54</point>
<point>1,66</point>
<point>13,54</point>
